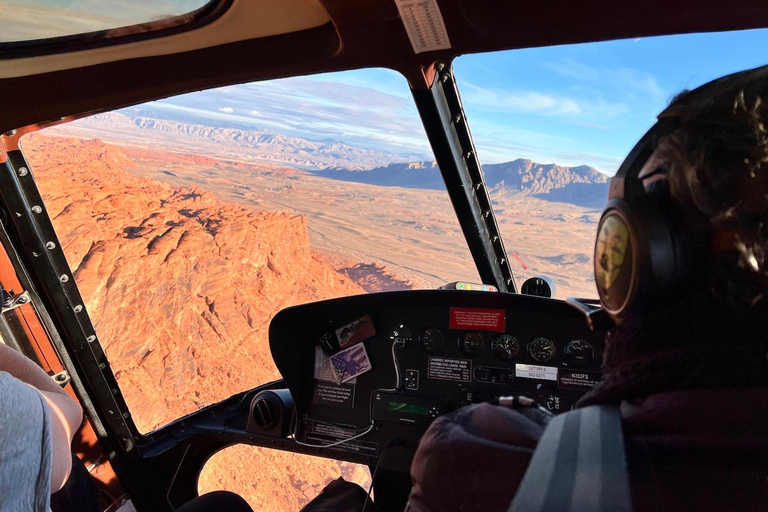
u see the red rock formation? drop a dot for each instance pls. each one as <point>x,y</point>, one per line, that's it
<point>181,288</point>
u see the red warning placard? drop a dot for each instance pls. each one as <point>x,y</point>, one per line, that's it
<point>478,319</point>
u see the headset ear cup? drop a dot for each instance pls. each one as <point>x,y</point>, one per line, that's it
<point>616,259</point>
<point>658,255</point>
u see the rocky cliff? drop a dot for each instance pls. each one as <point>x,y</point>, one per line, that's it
<point>526,175</point>
<point>181,288</point>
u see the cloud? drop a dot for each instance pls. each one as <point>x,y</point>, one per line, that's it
<point>618,78</point>
<point>381,117</point>
<point>538,103</point>
<point>594,125</point>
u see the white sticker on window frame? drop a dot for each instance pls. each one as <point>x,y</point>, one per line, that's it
<point>424,24</point>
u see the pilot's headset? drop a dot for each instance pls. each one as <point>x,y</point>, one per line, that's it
<point>645,253</point>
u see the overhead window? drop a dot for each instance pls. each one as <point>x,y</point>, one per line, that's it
<point>35,20</point>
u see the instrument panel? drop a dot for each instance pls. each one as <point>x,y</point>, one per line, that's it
<point>367,369</point>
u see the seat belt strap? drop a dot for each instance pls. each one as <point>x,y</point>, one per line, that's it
<point>579,465</point>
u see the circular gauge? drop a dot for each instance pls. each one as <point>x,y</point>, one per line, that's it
<point>579,353</point>
<point>505,347</point>
<point>432,340</point>
<point>471,344</point>
<point>541,349</point>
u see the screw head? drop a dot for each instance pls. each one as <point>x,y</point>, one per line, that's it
<point>78,308</point>
<point>91,338</point>
<point>37,209</point>
<point>50,245</point>
<point>23,171</point>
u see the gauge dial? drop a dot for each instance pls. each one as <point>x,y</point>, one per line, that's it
<point>431,340</point>
<point>579,353</point>
<point>471,344</point>
<point>505,347</point>
<point>541,349</point>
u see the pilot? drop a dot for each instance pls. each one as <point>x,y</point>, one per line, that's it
<point>687,363</point>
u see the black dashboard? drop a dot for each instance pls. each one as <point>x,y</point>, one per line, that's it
<point>372,368</point>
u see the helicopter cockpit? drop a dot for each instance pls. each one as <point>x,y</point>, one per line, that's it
<point>259,243</point>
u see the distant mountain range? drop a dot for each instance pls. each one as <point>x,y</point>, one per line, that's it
<point>582,185</point>
<point>240,141</point>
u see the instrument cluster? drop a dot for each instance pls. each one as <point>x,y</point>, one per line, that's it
<point>363,370</point>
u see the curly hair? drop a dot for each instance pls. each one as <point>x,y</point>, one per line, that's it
<point>718,174</point>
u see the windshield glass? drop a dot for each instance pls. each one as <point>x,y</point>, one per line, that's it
<point>551,125</point>
<point>189,222</point>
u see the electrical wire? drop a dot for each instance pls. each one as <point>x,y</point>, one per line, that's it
<point>330,445</point>
<point>367,430</point>
<point>395,344</point>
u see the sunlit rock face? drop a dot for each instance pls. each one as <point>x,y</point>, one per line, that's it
<point>181,288</point>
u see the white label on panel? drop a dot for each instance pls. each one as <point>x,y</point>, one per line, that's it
<point>532,371</point>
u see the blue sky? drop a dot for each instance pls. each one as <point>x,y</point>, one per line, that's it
<point>571,105</point>
<point>590,103</point>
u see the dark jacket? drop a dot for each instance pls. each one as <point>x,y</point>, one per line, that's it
<point>687,450</point>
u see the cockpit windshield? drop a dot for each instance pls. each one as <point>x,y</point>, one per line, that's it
<point>551,125</point>
<point>207,213</point>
